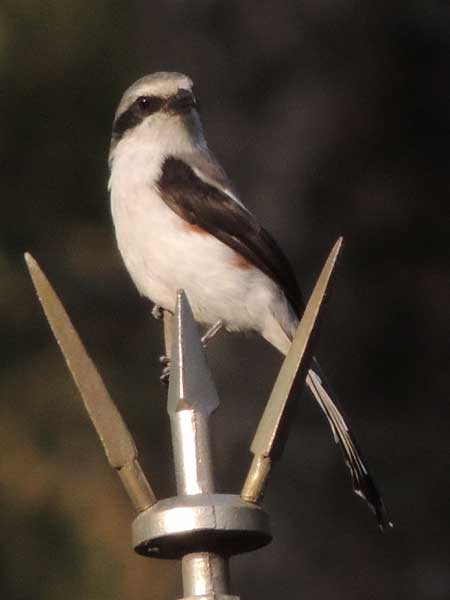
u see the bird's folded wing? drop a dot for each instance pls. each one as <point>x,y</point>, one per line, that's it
<point>196,196</point>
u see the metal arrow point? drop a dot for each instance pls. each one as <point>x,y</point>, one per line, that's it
<point>116,439</point>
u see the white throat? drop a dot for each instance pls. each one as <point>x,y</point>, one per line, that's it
<point>156,138</point>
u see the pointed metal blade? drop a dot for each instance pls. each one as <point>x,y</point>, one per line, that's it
<point>267,434</point>
<point>191,384</point>
<point>113,433</point>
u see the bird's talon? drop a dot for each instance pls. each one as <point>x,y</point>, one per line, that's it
<point>165,375</point>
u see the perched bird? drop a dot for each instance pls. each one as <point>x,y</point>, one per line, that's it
<point>181,225</point>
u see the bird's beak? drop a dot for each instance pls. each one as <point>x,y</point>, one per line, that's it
<point>181,103</point>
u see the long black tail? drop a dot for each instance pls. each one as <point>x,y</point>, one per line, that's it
<point>363,484</point>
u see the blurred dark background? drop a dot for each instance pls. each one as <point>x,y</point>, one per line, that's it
<point>332,117</point>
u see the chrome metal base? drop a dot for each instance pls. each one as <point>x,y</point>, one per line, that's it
<point>219,523</point>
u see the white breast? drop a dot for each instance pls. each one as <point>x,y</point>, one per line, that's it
<point>163,253</point>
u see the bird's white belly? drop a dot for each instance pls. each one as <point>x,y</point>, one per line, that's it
<point>163,254</point>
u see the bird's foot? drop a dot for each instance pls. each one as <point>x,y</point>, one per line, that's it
<point>165,360</point>
<point>165,374</point>
<point>157,312</point>
<point>212,331</point>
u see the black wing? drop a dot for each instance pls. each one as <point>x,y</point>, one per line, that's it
<point>202,204</point>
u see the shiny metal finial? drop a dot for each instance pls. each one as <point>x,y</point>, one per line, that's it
<point>191,385</point>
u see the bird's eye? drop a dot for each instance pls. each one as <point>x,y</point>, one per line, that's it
<point>143,102</point>
<point>148,105</point>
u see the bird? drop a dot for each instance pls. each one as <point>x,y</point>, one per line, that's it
<point>180,224</point>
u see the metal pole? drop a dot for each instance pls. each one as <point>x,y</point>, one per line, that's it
<point>205,575</point>
<point>192,399</point>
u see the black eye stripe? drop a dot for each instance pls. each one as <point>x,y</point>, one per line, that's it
<point>149,104</point>
<point>181,102</point>
<point>136,113</point>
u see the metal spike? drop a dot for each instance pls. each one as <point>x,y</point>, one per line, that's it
<point>268,432</point>
<point>113,433</point>
<point>191,385</point>
<point>191,400</point>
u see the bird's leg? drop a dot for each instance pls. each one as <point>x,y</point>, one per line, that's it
<point>212,331</point>
<point>157,312</point>
<point>165,360</point>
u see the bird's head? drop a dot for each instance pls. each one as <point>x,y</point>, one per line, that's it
<point>158,109</point>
